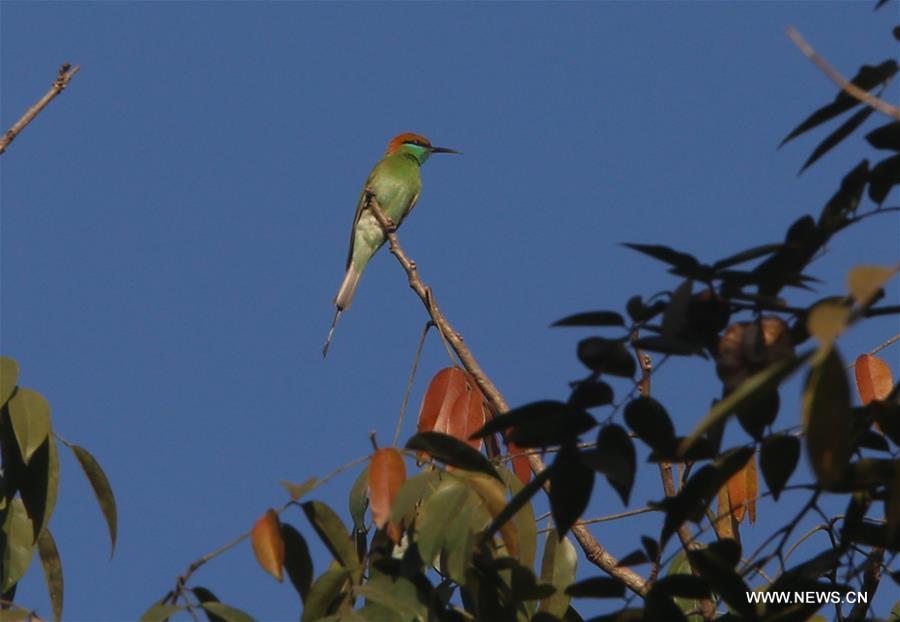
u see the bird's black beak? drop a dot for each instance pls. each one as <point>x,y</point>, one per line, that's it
<point>444,150</point>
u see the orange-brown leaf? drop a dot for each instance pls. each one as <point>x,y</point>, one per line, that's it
<point>268,545</point>
<point>447,385</point>
<point>466,418</point>
<point>520,464</point>
<point>387,472</point>
<point>743,489</point>
<point>873,378</point>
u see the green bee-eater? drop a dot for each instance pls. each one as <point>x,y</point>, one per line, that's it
<point>395,183</point>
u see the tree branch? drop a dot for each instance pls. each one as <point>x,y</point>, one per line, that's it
<point>66,72</point>
<point>593,550</point>
<point>851,89</point>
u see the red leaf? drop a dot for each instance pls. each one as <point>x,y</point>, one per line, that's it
<point>387,472</point>
<point>521,466</point>
<point>268,546</point>
<point>873,378</point>
<point>447,385</point>
<point>466,418</point>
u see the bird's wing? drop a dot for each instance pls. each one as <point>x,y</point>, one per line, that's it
<point>412,203</point>
<point>359,211</point>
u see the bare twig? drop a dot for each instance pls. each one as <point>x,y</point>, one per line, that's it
<point>409,383</point>
<point>594,552</point>
<point>851,89</point>
<point>66,72</point>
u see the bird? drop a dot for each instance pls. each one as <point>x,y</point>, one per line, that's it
<point>395,183</point>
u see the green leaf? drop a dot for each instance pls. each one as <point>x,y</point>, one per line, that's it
<point>683,586</point>
<point>16,543</point>
<point>359,500</point>
<point>297,560</point>
<point>9,377</point>
<point>53,572</point>
<point>615,457</point>
<point>160,612</point>
<point>102,490</point>
<point>226,613</point>
<point>30,416</point>
<point>523,519</point>
<point>751,253</point>
<point>16,614</point>
<point>834,139</point>
<point>558,569</point>
<point>206,596</point>
<point>723,579</point>
<point>412,492</point>
<point>540,424</point>
<point>437,514</point>
<point>650,421</point>
<point>606,356</point>
<point>300,490</point>
<point>778,458</point>
<point>864,282</point>
<point>592,318</point>
<point>452,451</point>
<point>571,484</point>
<point>681,567</point>
<point>597,587</point>
<point>333,533</point>
<point>521,497</point>
<point>40,485</point>
<point>826,420</point>
<point>324,592</point>
<point>460,540</point>
<point>748,392</point>
<point>397,596</point>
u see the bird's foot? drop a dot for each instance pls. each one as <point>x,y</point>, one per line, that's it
<point>389,225</point>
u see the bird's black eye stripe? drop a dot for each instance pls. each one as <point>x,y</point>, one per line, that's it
<point>418,143</point>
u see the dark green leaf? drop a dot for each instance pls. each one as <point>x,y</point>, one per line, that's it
<point>843,204</point>
<point>884,176</point>
<point>756,416</point>
<point>327,589</point>
<point>359,500</point>
<point>590,394</point>
<point>40,484</point>
<point>206,596</point>
<point>297,560</point>
<point>30,416</point>
<point>867,78</point>
<point>333,533</point>
<point>748,392</point>
<point>639,312</point>
<point>622,615</point>
<point>160,612</point>
<point>842,132</point>
<point>9,377</point>
<point>53,573</point>
<point>650,421</point>
<point>571,484</point>
<point>102,490</point>
<point>826,419</point>
<point>747,255</point>
<point>539,424</point>
<point>886,136</point>
<point>453,451</point>
<point>677,259</point>
<point>683,586</point>
<point>597,587</point>
<point>778,458</point>
<point>676,316</point>
<point>723,579</point>
<point>525,586</point>
<point>225,613</point>
<point>651,546</point>
<point>520,499</point>
<point>412,492</point>
<point>615,457</point>
<point>635,558</point>
<point>606,356</point>
<point>437,515</point>
<point>592,318</point>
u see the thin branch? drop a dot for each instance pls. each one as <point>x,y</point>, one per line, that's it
<point>66,72</point>
<point>594,552</point>
<point>851,89</point>
<point>887,343</point>
<point>409,383</point>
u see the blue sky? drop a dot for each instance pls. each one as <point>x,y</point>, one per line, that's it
<point>174,229</point>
